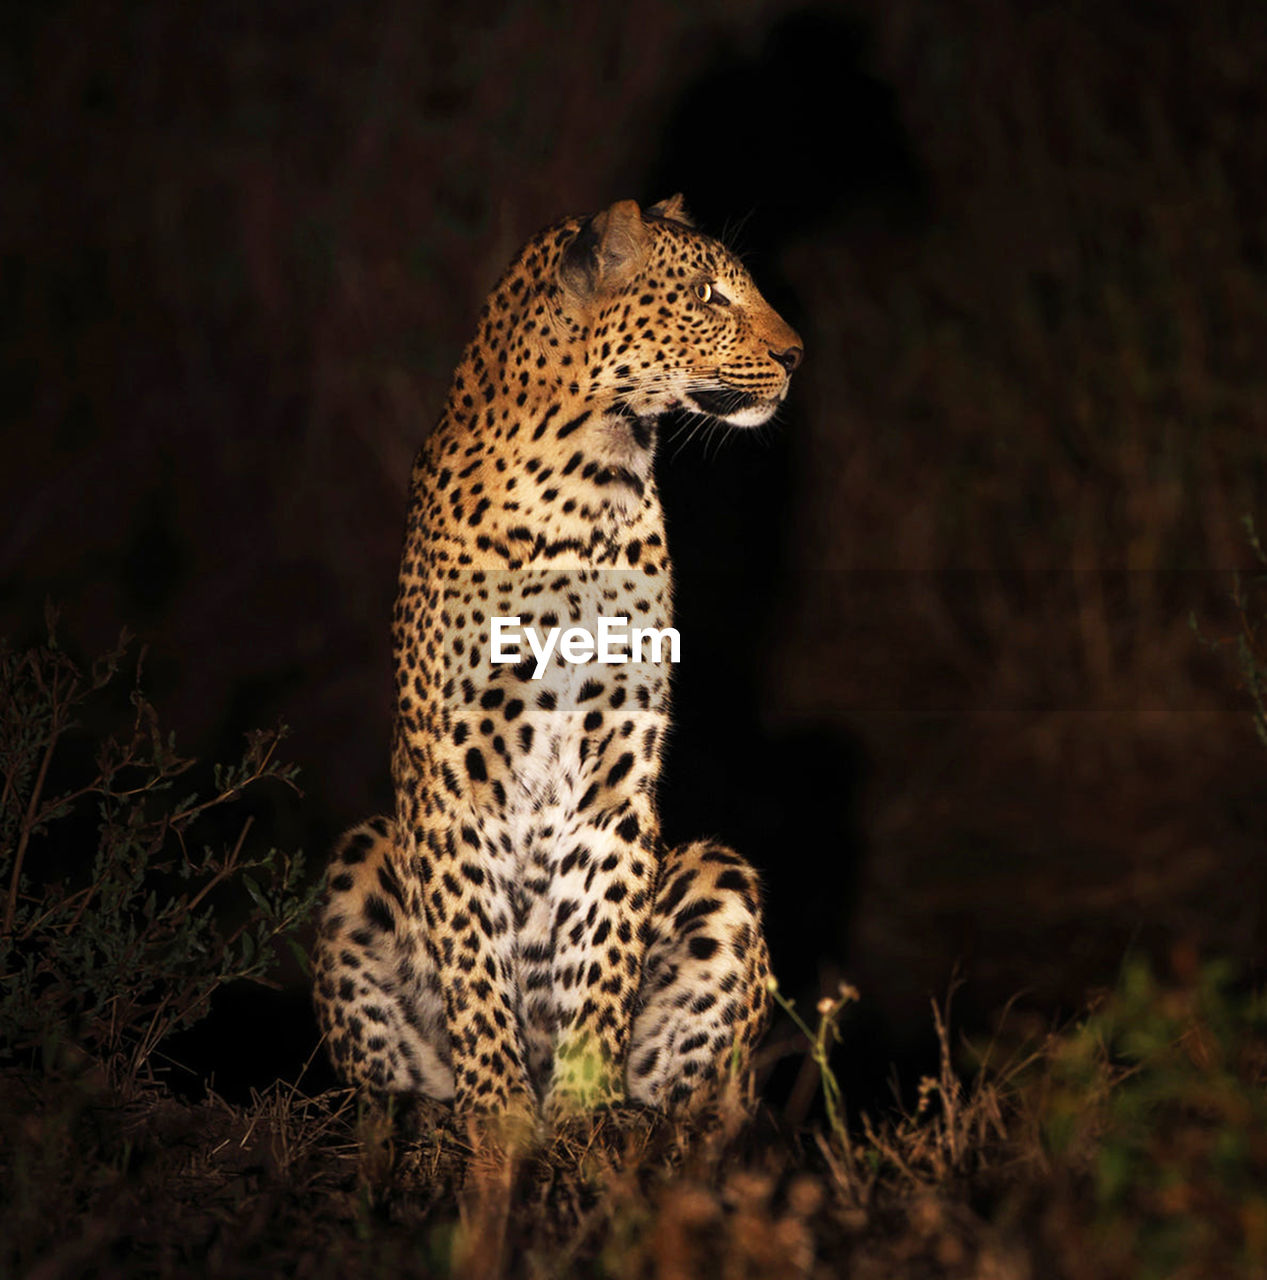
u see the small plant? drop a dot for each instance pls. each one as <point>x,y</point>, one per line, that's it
<point>950,1132</point>
<point>821,1041</point>
<point>111,934</point>
<point>955,1128</point>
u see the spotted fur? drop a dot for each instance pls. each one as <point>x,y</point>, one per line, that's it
<point>516,935</point>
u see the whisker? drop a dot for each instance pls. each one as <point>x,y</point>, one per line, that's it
<point>702,420</point>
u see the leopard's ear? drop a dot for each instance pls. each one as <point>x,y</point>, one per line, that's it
<point>607,250</point>
<point>674,208</point>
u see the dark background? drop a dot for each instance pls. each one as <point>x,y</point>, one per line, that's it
<point>939,678</point>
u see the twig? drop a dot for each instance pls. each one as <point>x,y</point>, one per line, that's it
<point>29,822</point>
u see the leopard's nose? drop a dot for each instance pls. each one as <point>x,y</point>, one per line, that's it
<point>789,357</point>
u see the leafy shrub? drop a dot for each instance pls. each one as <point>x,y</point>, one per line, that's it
<point>1154,1107</point>
<point>113,939</point>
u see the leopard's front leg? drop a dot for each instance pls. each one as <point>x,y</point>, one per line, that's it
<point>469,930</point>
<point>601,899</point>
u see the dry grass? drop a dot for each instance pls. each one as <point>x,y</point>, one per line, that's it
<point>1132,1142</point>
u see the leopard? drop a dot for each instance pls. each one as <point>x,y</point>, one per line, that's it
<point>515,939</point>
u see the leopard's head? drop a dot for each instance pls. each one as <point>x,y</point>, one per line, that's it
<point>672,319</point>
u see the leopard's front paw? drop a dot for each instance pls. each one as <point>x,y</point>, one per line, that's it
<point>508,1123</point>
<point>585,1079</point>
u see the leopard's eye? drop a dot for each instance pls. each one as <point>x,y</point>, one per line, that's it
<point>703,291</point>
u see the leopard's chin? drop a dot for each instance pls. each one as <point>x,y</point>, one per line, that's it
<point>737,408</point>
